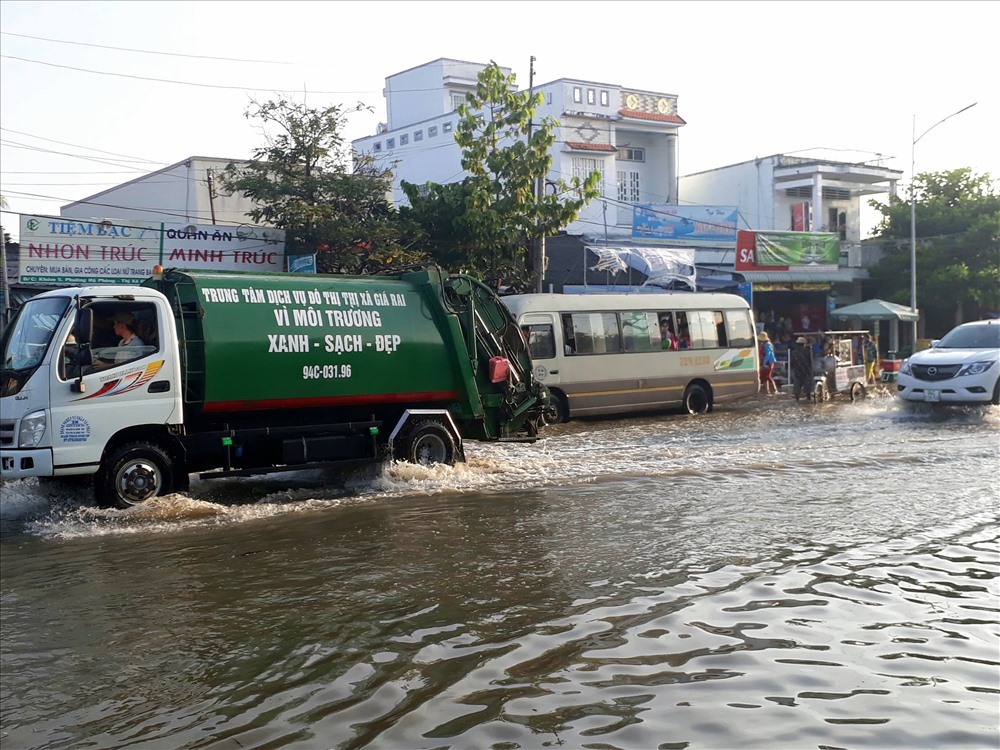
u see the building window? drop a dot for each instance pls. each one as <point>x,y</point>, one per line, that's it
<point>446,127</point>
<point>591,97</point>
<point>404,139</point>
<point>418,135</point>
<point>628,186</point>
<point>548,98</point>
<point>432,131</point>
<point>577,94</point>
<point>631,154</point>
<point>377,146</point>
<point>390,143</point>
<point>583,166</point>
<point>457,100</point>
<point>604,98</point>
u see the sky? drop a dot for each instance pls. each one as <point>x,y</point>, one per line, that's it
<point>94,94</point>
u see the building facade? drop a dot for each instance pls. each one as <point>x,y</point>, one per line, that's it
<point>628,135</point>
<point>187,191</point>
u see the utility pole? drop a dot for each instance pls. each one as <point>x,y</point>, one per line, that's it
<point>211,192</point>
<point>538,243</point>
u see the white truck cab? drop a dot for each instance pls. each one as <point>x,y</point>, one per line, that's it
<point>80,367</point>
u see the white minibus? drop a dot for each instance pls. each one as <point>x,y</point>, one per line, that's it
<point>602,354</point>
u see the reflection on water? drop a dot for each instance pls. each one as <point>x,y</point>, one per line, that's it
<point>774,575</point>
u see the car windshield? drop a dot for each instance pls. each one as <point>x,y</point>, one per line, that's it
<point>972,337</point>
<point>28,340</point>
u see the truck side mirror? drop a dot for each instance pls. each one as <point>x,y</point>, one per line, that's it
<point>84,327</point>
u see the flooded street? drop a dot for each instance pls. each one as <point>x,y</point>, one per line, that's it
<point>772,575</point>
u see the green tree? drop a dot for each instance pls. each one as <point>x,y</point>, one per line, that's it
<point>958,248</point>
<point>300,182</point>
<point>488,223</point>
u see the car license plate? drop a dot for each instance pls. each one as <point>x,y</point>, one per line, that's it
<point>932,396</point>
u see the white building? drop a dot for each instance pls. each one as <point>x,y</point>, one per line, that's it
<point>794,192</point>
<point>187,191</point>
<point>628,135</point>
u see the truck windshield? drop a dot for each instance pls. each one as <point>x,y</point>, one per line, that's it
<point>25,344</point>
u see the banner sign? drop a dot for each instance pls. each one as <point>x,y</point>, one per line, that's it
<point>661,265</point>
<point>302,263</point>
<point>665,222</point>
<point>66,252</point>
<point>798,249</point>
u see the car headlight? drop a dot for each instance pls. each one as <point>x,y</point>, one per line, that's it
<point>976,368</point>
<point>32,429</point>
<point>904,368</point>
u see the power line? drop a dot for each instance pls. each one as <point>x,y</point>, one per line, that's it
<point>146,51</point>
<point>77,145</point>
<point>15,144</point>
<point>180,83</point>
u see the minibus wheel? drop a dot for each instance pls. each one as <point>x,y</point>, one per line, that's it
<point>556,412</point>
<point>696,400</point>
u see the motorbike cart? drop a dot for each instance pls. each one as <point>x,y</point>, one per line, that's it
<point>840,368</point>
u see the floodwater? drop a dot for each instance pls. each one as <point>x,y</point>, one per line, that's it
<point>772,575</point>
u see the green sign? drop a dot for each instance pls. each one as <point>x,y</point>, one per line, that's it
<point>797,249</point>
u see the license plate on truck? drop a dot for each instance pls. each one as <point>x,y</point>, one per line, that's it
<point>932,396</point>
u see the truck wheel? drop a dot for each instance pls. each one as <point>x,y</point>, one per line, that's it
<point>696,400</point>
<point>136,472</point>
<point>557,412</point>
<point>428,442</point>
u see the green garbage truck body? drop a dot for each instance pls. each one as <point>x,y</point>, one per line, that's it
<point>231,373</point>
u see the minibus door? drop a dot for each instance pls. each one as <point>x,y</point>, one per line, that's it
<point>545,344</point>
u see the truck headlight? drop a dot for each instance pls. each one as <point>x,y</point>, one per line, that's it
<point>904,368</point>
<point>32,429</point>
<point>975,368</point>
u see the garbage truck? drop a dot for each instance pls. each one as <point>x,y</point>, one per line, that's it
<point>230,374</point>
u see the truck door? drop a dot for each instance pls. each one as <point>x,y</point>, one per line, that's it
<point>128,380</point>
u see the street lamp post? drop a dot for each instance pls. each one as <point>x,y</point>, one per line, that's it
<point>913,211</point>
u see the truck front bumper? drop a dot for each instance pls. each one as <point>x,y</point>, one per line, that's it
<point>18,464</point>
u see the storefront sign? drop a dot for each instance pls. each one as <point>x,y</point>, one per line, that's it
<point>797,249</point>
<point>665,222</point>
<point>61,251</point>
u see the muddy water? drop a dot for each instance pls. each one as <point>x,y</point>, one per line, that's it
<point>773,575</point>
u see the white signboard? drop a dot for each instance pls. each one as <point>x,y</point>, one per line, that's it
<point>64,251</point>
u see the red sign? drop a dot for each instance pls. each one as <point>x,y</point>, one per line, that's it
<point>800,217</point>
<point>746,253</point>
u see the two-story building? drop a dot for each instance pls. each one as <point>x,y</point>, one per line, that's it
<point>627,134</point>
<point>631,137</point>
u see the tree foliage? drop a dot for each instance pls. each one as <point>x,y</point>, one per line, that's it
<point>487,224</point>
<point>958,248</point>
<point>300,182</point>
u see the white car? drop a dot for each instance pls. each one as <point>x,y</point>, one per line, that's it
<point>961,368</point>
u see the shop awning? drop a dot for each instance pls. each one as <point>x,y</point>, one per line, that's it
<point>876,309</point>
<point>845,275</point>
